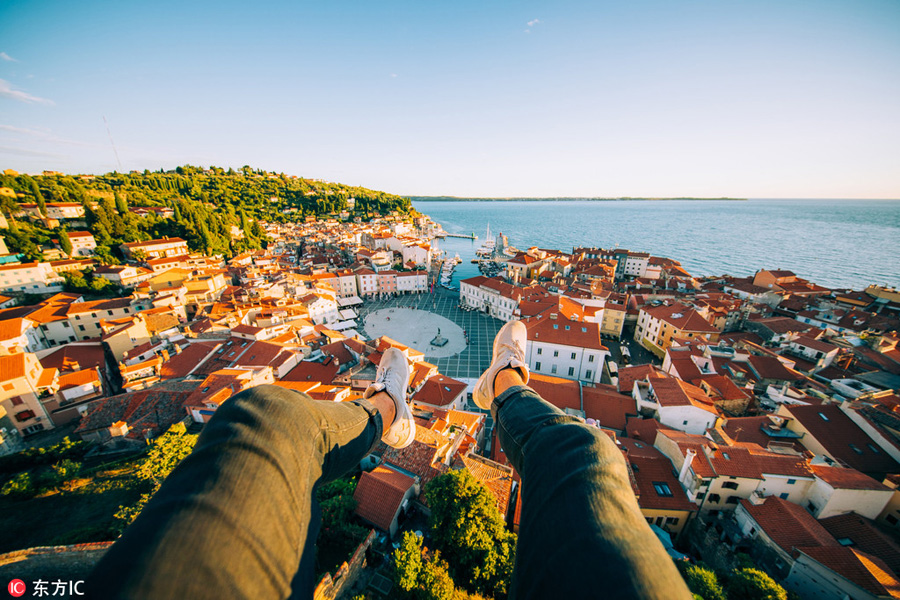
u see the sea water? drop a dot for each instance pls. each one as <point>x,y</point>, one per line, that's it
<point>835,243</point>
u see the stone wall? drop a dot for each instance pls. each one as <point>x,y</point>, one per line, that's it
<point>332,586</point>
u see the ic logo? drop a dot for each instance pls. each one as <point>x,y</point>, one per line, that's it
<point>16,588</point>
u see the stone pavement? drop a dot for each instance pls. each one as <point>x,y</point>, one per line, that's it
<point>466,365</point>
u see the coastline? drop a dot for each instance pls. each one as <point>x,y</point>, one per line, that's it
<point>561,199</point>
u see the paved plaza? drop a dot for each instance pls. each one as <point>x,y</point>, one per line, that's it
<point>465,362</point>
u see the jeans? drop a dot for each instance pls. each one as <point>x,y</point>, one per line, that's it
<point>238,517</point>
<point>581,534</point>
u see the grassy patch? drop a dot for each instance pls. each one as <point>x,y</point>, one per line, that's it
<point>82,513</point>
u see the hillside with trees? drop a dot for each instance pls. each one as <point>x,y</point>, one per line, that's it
<point>207,204</point>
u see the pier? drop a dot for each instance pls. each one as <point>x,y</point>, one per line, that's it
<point>460,235</point>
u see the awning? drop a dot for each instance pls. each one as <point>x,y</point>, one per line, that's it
<point>342,325</point>
<point>351,301</point>
<point>348,313</point>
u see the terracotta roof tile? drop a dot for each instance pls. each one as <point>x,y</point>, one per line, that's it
<point>864,535</point>
<point>379,495</point>
<point>789,525</point>
<point>866,571</point>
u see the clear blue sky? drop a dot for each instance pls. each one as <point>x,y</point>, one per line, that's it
<point>468,98</point>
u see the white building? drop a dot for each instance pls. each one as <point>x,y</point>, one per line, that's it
<point>83,243</point>
<point>412,282</point>
<point>34,278</point>
<point>564,348</point>
<point>490,295</point>
<point>366,282</point>
<point>675,403</point>
<point>346,284</point>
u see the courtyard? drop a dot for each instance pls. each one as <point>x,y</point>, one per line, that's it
<point>415,320</point>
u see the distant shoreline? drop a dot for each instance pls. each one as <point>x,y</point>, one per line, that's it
<point>458,199</point>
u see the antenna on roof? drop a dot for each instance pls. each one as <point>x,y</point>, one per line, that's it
<point>113,144</point>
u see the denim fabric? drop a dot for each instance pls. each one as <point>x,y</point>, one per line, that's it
<point>238,517</point>
<point>581,533</point>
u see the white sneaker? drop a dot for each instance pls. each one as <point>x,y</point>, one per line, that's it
<point>509,351</point>
<point>393,377</point>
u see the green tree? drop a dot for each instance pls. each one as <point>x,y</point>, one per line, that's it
<point>753,584</point>
<point>435,582</point>
<point>467,528</point>
<point>419,578</point>
<point>64,242</point>
<point>408,562</point>
<point>166,452</point>
<point>121,204</point>
<point>37,195</point>
<point>703,582</point>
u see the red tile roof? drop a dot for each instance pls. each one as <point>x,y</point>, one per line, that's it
<point>439,390</point>
<point>12,366</point>
<point>843,439</point>
<point>379,495</point>
<point>650,470</point>
<point>192,355</point>
<point>76,356</point>
<point>864,570</point>
<point>865,536</point>
<point>841,478</point>
<point>683,318</point>
<point>628,375</point>
<point>564,332</point>
<point>496,477</point>
<point>789,525</point>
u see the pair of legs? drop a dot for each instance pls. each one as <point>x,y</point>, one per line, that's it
<point>238,518</point>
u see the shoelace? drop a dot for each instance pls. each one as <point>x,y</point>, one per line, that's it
<point>516,349</point>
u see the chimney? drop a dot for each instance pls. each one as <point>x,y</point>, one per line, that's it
<point>688,460</point>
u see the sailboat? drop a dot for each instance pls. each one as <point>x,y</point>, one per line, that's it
<point>487,248</point>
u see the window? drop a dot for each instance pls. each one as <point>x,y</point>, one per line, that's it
<point>590,358</point>
<point>730,485</point>
<point>845,541</point>
<point>571,371</point>
<point>824,418</point>
<point>109,312</point>
<point>24,415</point>
<point>9,387</point>
<point>540,350</point>
<point>65,324</point>
<point>16,401</point>
<point>733,500</point>
<point>811,507</point>
<point>588,374</point>
<point>81,328</point>
<point>662,488</point>
<point>714,498</point>
<point>573,356</point>
<point>873,448</point>
<point>855,448</point>
<point>671,520</point>
<point>791,481</point>
<point>891,519</point>
<point>537,366</point>
<point>555,353</point>
<point>553,369</point>
<point>784,495</point>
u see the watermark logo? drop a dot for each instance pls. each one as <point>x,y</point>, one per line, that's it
<point>16,588</point>
<point>59,588</point>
